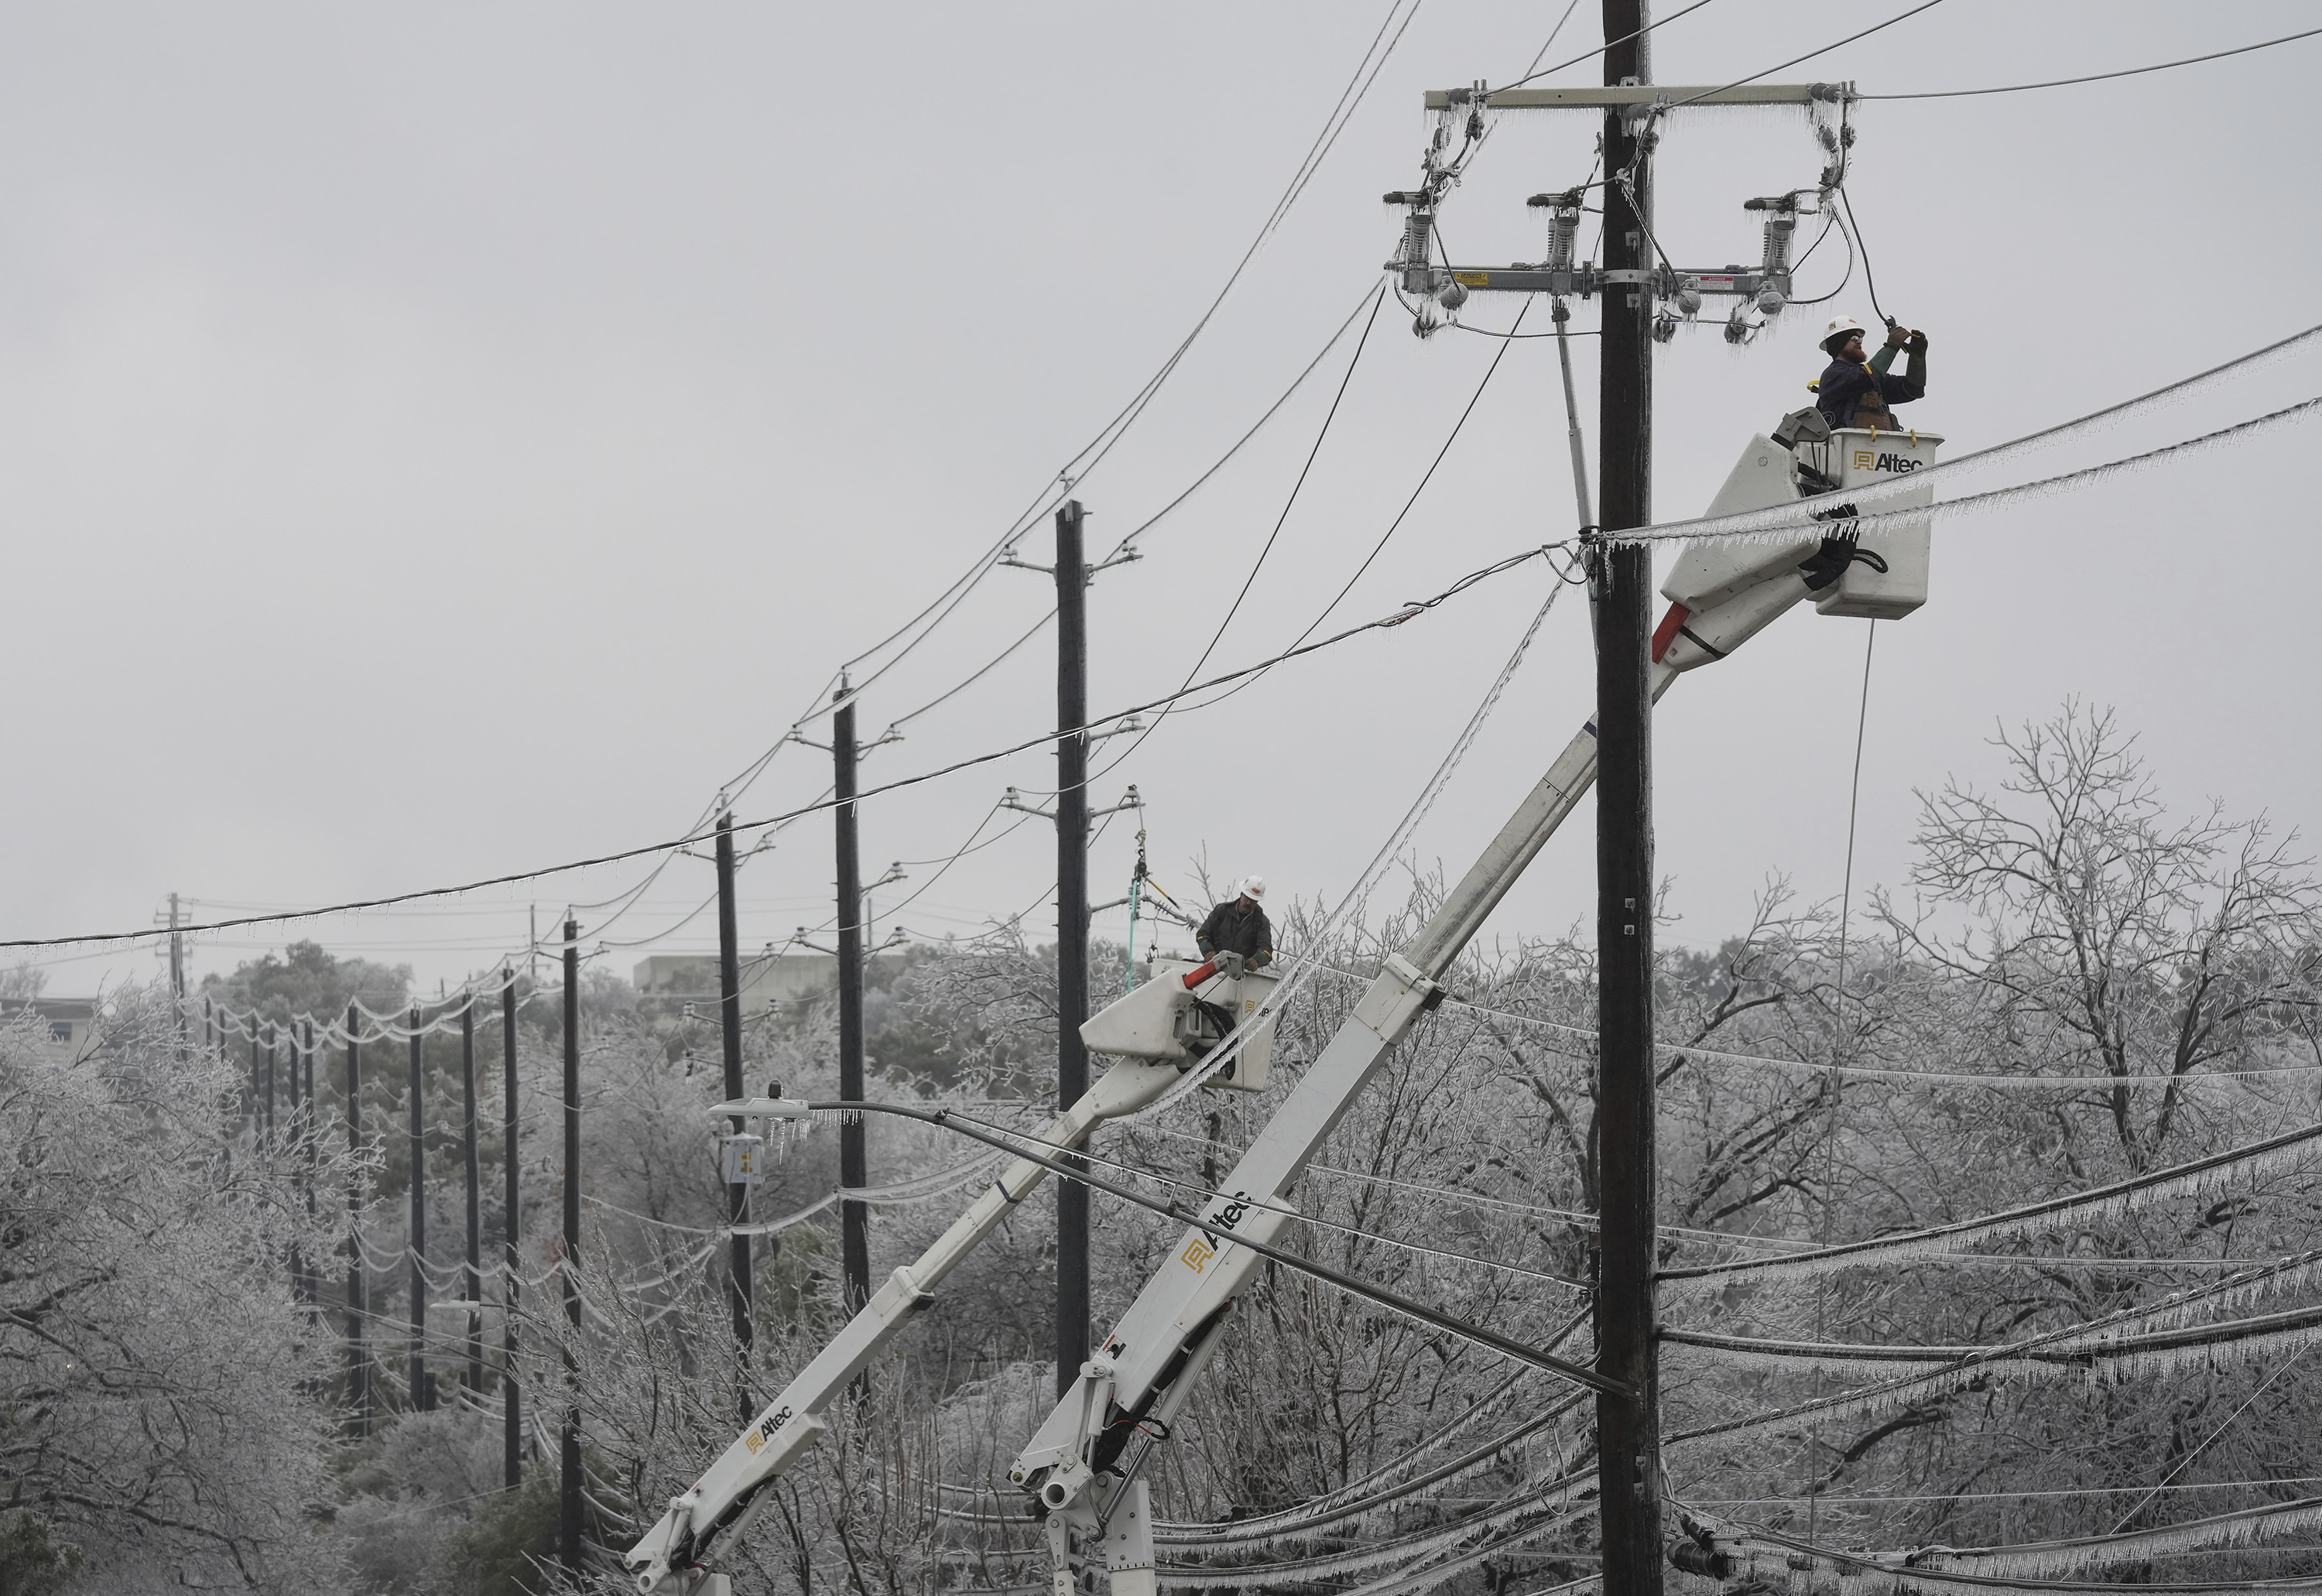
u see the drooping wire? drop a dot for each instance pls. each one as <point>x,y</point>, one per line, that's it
<point>1862,252</point>
<point>2014,88</point>
<point>1600,50</point>
<point>1837,1083</point>
<point>1377,298</point>
<point>1794,61</point>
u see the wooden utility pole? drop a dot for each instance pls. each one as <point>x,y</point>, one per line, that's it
<point>853,1152</point>
<point>737,1195</point>
<point>309,1129</point>
<point>569,1520</point>
<point>1072,1339</point>
<point>473,1286</point>
<point>301,1288</point>
<point>422,1396</point>
<point>511,1392</point>
<point>358,1302</point>
<point>176,977</point>
<point>1628,1426</point>
<point>257,1087</point>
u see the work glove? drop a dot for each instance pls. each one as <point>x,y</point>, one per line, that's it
<point>1228,963</point>
<point>1897,336</point>
<point>1919,344</point>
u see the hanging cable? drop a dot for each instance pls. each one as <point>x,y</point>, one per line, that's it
<point>2015,89</point>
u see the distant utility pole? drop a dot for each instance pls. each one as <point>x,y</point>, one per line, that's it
<point>474,1285</point>
<point>1073,574</point>
<point>422,1396</point>
<point>358,1303</point>
<point>257,1085</point>
<point>512,1196</point>
<point>737,1195</point>
<point>177,976</point>
<point>569,1520</point>
<point>301,1288</point>
<point>308,1129</point>
<point>854,1151</point>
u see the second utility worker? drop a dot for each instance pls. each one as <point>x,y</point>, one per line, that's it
<point>1239,926</point>
<point>1857,392</point>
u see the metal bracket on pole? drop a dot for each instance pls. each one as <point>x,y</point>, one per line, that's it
<point>1011,800</point>
<point>1616,96</point>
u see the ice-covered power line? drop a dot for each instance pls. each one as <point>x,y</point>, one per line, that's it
<point>1410,612</point>
<point>1778,523</point>
<point>1794,60</point>
<point>2250,1161</point>
<point>2018,88</point>
<point>1787,522</point>
<point>1076,467</point>
<point>1023,1146</point>
<point>1752,1551</point>
<point>1590,55</point>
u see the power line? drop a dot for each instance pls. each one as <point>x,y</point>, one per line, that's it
<point>1012,1142</point>
<point>1794,61</point>
<point>1609,43</point>
<point>1080,463</point>
<point>2016,88</point>
<point>1409,612</point>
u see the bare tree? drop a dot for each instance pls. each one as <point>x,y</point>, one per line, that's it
<point>2106,935</point>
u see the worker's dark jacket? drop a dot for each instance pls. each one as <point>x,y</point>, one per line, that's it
<point>1233,930</point>
<point>1849,395</point>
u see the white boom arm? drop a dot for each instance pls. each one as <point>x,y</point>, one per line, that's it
<point>721,1504</point>
<point>1147,1367</point>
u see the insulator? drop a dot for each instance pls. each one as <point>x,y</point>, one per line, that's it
<point>1452,295</point>
<point>1779,230</point>
<point>1770,300</point>
<point>1687,297</point>
<point>1563,231</point>
<point>1415,228</point>
<point>1417,276</point>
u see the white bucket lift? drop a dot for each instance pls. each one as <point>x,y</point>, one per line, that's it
<point>1163,1018</point>
<point>1766,475</point>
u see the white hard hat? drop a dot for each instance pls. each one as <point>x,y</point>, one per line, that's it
<point>1842,324</point>
<point>1252,887</point>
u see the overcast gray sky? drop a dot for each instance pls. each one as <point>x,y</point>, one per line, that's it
<point>440,440</point>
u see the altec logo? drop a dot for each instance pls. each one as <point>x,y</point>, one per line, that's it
<point>764,1433</point>
<point>1197,1254</point>
<point>1867,460</point>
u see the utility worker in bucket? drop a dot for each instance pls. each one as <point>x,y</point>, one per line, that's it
<point>1857,392</point>
<point>1239,926</point>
